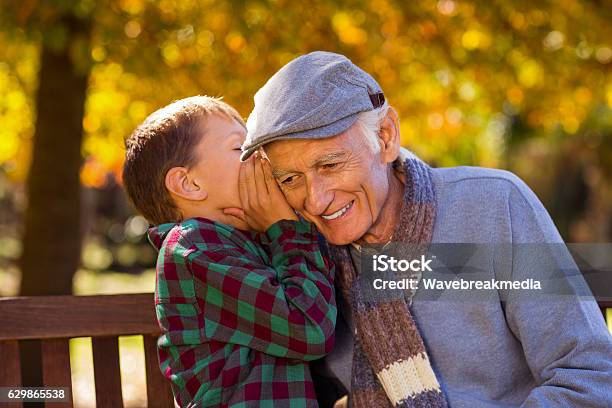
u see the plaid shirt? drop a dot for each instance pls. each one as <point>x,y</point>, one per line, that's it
<point>242,312</point>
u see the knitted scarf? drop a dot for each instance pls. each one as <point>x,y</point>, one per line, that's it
<point>390,364</point>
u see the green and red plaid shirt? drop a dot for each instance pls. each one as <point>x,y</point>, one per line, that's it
<point>242,313</point>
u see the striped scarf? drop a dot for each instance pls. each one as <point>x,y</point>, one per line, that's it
<point>390,364</point>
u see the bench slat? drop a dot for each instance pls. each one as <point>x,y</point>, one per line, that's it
<point>107,373</point>
<point>10,374</point>
<point>44,317</point>
<point>56,367</point>
<point>159,393</point>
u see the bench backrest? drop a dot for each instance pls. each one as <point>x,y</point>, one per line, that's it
<point>56,319</point>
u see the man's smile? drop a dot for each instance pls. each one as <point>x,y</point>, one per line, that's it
<point>341,213</point>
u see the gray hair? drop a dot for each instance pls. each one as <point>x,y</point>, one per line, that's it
<point>368,122</point>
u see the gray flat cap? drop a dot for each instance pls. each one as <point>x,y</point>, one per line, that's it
<point>315,96</point>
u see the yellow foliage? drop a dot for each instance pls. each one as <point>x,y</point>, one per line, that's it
<point>530,73</point>
<point>346,29</point>
<point>235,41</point>
<point>475,39</point>
<point>132,6</point>
<point>453,70</point>
<point>9,146</point>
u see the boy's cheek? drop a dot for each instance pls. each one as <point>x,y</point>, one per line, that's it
<point>223,190</point>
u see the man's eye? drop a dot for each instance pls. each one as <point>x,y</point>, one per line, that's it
<point>288,180</point>
<point>237,148</point>
<point>330,165</point>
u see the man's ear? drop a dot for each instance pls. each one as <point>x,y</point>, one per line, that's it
<point>181,183</point>
<point>389,136</point>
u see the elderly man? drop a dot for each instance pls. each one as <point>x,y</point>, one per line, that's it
<point>334,146</point>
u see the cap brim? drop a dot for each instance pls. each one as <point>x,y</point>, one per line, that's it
<point>323,132</point>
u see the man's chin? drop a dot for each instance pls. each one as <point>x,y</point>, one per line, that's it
<point>339,242</point>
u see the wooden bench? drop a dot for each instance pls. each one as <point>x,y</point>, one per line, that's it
<point>56,319</point>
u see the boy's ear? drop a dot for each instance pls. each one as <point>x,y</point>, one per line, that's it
<point>180,183</point>
<point>389,136</point>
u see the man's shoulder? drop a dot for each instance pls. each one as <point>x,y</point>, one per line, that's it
<point>478,204</point>
<point>461,174</point>
<point>481,181</point>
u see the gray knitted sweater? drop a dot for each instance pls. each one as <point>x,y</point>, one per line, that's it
<point>491,354</point>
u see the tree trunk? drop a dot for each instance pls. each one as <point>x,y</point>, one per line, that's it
<point>52,238</point>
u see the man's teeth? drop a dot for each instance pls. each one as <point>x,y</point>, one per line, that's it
<point>337,213</point>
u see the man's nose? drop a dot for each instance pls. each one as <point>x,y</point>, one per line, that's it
<point>318,195</point>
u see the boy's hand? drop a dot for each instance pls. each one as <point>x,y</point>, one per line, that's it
<point>263,203</point>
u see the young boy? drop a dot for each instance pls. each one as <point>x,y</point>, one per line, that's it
<point>244,298</point>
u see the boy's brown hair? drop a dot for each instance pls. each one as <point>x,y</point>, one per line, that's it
<point>166,139</point>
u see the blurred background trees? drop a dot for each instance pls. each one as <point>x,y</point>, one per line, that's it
<point>51,235</point>
<point>521,85</point>
<point>516,84</point>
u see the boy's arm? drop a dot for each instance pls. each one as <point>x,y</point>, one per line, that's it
<point>286,309</point>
